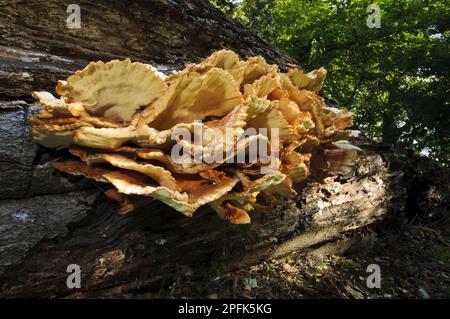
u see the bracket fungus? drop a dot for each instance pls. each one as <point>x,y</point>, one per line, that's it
<point>235,134</point>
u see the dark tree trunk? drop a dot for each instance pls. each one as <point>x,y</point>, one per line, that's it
<point>48,221</point>
<point>389,130</point>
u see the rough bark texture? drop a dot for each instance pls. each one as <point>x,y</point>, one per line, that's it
<point>49,220</point>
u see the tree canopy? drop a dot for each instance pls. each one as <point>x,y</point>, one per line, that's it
<point>395,78</point>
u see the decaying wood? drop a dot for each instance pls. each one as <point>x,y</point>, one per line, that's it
<point>38,48</point>
<point>49,220</point>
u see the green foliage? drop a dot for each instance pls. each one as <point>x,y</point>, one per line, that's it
<point>227,6</point>
<point>394,78</point>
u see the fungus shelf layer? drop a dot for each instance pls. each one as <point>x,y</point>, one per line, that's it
<point>234,134</point>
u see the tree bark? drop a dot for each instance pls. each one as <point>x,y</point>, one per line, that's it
<point>49,220</point>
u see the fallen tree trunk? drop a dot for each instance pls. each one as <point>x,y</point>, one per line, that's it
<point>49,220</point>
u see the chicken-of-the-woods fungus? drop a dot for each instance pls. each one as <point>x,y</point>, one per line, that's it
<point>235,134</point>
